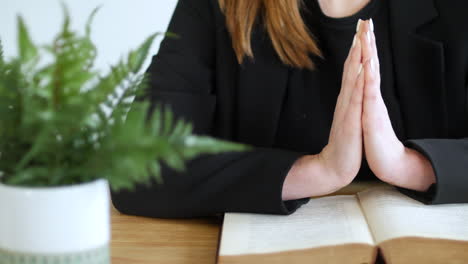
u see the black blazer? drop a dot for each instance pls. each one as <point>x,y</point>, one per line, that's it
<point>198,75</point>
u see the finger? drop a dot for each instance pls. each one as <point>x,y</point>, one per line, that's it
<point>375,55</point>
<point>372,72</point>
<point>371,85</point>
<point>355,51</point>
<point>346,87</point>
<point>369,46</point>
<point>351,68</point>
<point>374,110</point>
<point>370,99</point>
<point>354,59</point>
<point>351,72</point>
<point>354,113</point>
<point>366,39</point>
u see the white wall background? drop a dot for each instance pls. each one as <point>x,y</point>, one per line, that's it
<point>119,26</point>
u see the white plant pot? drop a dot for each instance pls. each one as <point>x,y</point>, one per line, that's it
<point>58,225</point>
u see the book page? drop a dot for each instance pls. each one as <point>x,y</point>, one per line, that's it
<point>321,222</point>
<point>391,214</point>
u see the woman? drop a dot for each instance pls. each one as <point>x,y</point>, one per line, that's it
<point>281,76</point>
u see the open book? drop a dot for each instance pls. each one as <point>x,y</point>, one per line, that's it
<point>350,229</point>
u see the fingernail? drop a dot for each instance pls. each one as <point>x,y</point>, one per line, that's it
<point>368,35</point>
<point>372,65</point>
<point>371,25</point>
<point>358,25</point>
<point>359,69</point>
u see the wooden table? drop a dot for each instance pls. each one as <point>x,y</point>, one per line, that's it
<point>140,240</point>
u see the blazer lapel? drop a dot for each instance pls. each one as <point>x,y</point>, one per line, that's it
<point>261,88</point>
<point>419,69</point>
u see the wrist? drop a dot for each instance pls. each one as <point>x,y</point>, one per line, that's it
<point>338,175</point>
<point>421,168</point>
<point>415,173</point>
<point>308,177</point>
<point>327,170</point>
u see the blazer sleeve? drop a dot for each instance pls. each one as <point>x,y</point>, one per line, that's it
<point>449,159</point>
<point>181,75</point>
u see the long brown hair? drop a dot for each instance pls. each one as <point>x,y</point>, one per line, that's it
<point>283,21</point>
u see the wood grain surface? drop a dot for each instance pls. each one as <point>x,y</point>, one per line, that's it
<point>140,240</point>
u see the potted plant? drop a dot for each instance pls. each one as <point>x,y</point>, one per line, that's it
<point>67,133</point>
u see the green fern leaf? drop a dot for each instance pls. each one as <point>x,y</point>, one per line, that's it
<point>27,49</point>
